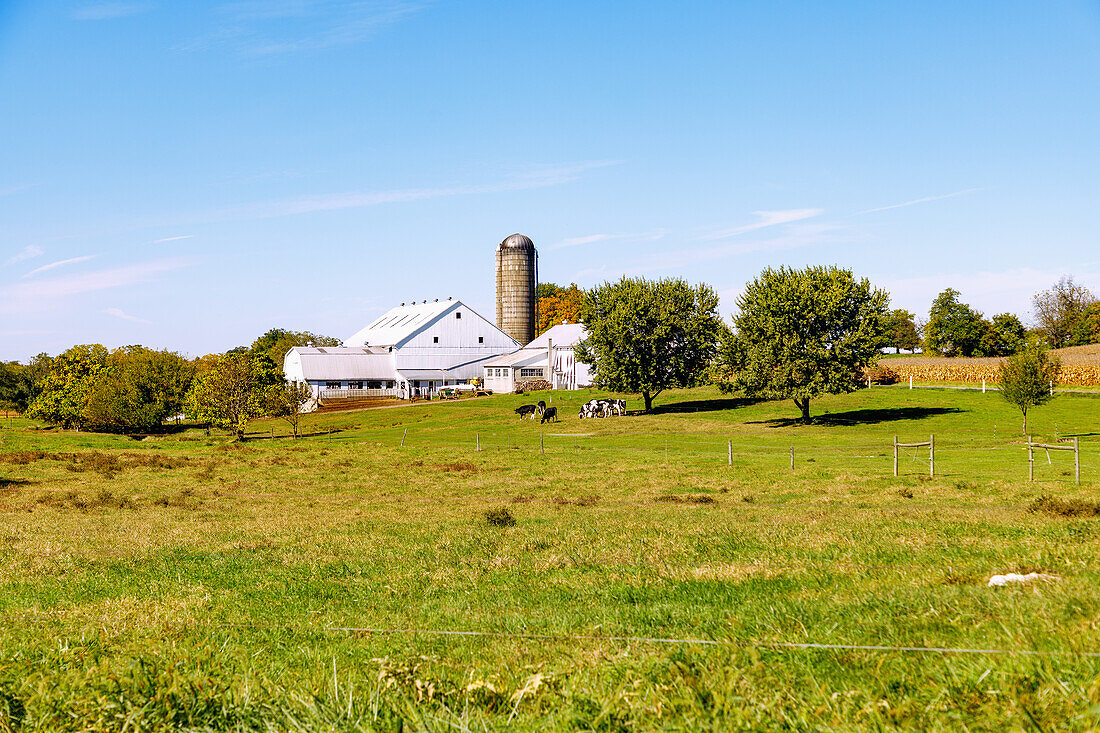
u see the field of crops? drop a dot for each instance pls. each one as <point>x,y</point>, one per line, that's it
<point>1080,367</point>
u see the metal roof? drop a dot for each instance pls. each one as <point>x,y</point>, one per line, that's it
<point>564,334</point>
<point>399,323</point>
<point>523,357</point>
<point>319,364</point>
<point>517,241</point>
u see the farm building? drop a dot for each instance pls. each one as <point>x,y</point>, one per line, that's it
<point>553,348</point>
<point>410,351</point>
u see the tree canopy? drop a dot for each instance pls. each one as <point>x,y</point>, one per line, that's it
<point>1060,309</point>
<point>558,305</point>
<point>645,336</point>
<point>902,330</point>
<point>275,343</point>
<point>1027,378</point>
<point>802,333</point>
<point>953,328</point>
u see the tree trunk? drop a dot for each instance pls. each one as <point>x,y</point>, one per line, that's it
<point>1025,422</point>
<point>648,401</point>
<point>804,405</point>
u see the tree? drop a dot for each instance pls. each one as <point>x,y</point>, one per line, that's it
<point>138,391</point>
<point>558,305</point>
<point>1001,337</point>
<point>1059,309</point>
<point>803,333</point>
<point>65,390</point>
<point>1027,378</point>
<point>287,402</point>
<point>902,331</point>
<point>276,342</point>
<point>222,393</point>
<point>645,336</point>
<point>1087,329</point>
<point>953,328</point>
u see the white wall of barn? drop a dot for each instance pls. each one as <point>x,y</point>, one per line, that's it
<point>460,331</point>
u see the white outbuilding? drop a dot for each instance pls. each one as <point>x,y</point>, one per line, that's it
<point>411,351</point>
<point>549,357</point>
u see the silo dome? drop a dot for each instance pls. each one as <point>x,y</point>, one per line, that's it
<point>517,241</point>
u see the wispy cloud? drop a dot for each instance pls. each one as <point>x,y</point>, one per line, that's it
<point>29,296</point>
<point>594,238</point>
<point>107,11</point>
<point>917,201</point>
<point>59,263</point>
<point>119,313</point>
<point>539,178</point>
<point>27,253</point>
<point>173,239</point>
<point>253,28</point>
<point>764,219</point>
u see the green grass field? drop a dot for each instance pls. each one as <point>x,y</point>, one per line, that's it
<point>184,582</point>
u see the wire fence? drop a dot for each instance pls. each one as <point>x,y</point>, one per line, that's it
<point>966,457</point>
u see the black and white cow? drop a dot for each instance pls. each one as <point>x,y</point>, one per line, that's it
<point>551,414</point>
<point>527,411</point>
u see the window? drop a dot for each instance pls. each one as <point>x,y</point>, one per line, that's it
<point>481,339</point>
<point>527,373</point>
<point>435,339</point>
<point>355,385</point>
<point>373,385</point>
<point>458,315</point>
<point>332,385</point>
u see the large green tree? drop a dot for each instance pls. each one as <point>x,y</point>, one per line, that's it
<point>902,330</point>
<point>646,336</point>
<point>222,392</point>
<point>65,390</point>
<point>1027,378</point>
<point>1087,328</point>
<point>275,343</point>
<point>803,333</point>
<point>138,391</point>
<point>953,328</point>
<point>1002,336</point>
<point>1059,309</point>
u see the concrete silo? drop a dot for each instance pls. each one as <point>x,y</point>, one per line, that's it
<point>517,278</point>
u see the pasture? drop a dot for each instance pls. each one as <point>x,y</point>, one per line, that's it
<point>631,578</point>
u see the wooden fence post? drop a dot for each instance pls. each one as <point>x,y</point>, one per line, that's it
<point>542,443</point>
<point>910,381</point>
<point>896,454</point>
<point>932,455</point>
<point>983,385</point>
<point>792,456</point>
<point>477,442</point>
<point>1077,459</point>
<point>1030,461</point>
<point>403,437</point>
<point>729,448</point>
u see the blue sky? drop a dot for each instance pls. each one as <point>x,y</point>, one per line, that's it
<point>188,175</point>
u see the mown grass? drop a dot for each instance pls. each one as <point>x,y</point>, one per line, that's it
<point>183,581</point>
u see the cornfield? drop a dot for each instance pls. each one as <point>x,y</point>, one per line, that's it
<point>1080,367</point>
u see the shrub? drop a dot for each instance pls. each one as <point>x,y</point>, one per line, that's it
<point>880,375</point>
<point>500,517</point>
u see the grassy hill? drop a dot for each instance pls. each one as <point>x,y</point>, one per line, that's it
<point>184,581</point>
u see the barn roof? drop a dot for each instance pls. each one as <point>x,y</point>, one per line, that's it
<point>319,364</point>
<point>564,334</point>
<point>398,324</point>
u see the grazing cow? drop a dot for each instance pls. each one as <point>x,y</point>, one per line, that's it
<point>542,407</point>
<point>619,406</point>
<point>527,411</point>
<point>551,414</point>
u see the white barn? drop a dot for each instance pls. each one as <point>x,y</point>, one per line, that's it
<point>549,357</point>
<point>410,351</point>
